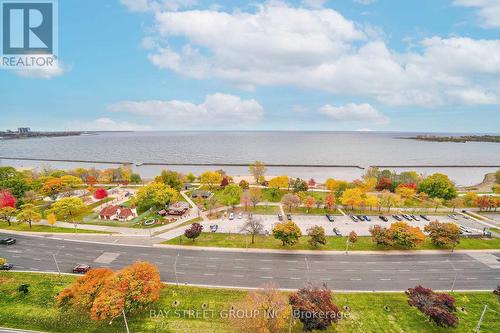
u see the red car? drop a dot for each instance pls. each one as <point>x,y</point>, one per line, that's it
<point>81,269</point>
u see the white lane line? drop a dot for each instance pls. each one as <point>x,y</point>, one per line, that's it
<point>294,278</point>
<point>265,277</point>
<point>189,257</point>
<point>239,259</point>
<point>265,268</point>
<point>443,279</point>
<point>213,258</point>
<point>377,270</point>
<point>265,260</point>
<point>352,279</point>
<point>209,274</point>
<point>471,278</point>
<point>325,279</point>
<point>321,270</point>
<point>34,269</point>
<point>291,261</point>
<point>183,264</point>
<point>349,270</point>
<point>385,279</point>
<point>293,269</point>
<point>237,275</point>
<point>414,279</point>
<point>238,267</point>
<point>403,270</point>
<point>181,272</point>
<point>37,259</point>
<point>211,266</point>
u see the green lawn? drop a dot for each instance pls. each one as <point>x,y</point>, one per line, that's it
<point>38,311</point>
<point>263,210</point>
<point>333,243</point>
<point>46,228</point>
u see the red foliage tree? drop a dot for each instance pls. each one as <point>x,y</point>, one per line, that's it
<point>384,184</point>
<point>413,186</point>
<point>7,199</point>
<point>91,181</point>
<point>314,308</point>
<point>224,182</point>
<point>100,193</point>
<point>311,182</point>
<point>193,231</point>
<point>439,308</point>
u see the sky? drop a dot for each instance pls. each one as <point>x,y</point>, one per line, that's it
<point>361,65</point>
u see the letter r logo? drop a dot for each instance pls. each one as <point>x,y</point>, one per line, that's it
<point>27,27</point>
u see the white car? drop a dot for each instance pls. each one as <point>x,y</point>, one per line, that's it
<point>240,215</point>
<point>231,216</point>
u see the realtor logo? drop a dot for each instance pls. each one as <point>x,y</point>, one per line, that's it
<point>29,38</point>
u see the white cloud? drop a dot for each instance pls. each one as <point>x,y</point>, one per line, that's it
<point>105,124</point>
<point>488,11</point>
<point>320,49</point>
<point>354,112</point>
<point>46,73</point>
<point>155,5</point>
<point>217,109</point>
<point>314,3</point>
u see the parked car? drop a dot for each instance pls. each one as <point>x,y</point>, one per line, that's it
<point>330,218</point>
<point>240,215</point>
<point>452,216</point>
<point>360,217</point>
<point>6,267</point>
<point>425,217</point>
<point>289,217</point>
<point>81,269</point>
<point>366,218</point>
<point>214,227</point>
<point>415,218</point>
<point>406,217</point>
<point>397,218</point>
<point>231,216</point>
<point>8,241</point>
<point>383,218</point>
<point>354,218</point>
<point>337,232</point>
<point>280,217</point>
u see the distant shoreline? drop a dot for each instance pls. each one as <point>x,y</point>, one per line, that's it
<point>457,139</point>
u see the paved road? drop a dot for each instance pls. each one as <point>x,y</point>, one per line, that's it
<point>380,272</point>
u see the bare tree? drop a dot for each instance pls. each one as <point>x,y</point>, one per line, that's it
<point>253,226</point>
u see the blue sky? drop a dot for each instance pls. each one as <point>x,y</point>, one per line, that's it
<point>386,65</point>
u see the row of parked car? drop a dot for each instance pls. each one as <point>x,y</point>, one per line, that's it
<point>362,218</point>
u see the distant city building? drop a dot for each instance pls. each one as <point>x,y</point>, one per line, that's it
<point>23,130</point>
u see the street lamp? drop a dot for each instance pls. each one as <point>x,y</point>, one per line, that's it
<point>175,269</point>
<point>307,266</point>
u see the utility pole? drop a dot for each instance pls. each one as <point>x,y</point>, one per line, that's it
<point>58,270</point>
<point>481,319</point>
<point>125,319</point>
<point>307,266</point>
<point>347,245</point>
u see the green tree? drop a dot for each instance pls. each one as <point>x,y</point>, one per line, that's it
<point>231,195</point>
<point>28,214</point>
<point>287,232</point>
<point>135,178</point>
<point>316,236</point>
<point>71,181</point>
<point>170,178</point>
<point>299,185</point>
<point>155,195</point>
<point>438,185</point>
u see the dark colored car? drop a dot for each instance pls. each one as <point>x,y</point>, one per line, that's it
<point>337,232</point>
<point>406,217</point>
<point>414,217</point>
<point>397,218</point>
<point>280,217</point>
<point>425,217</point>
<point>330,218</point>
<point>354,218</point>
<point>81,269</point>
<point>8,241</point>
<point>383,218</point>
<point>366,218</point>
<point>289,217</point>
<point>6,267</point>
<point>360,217</point>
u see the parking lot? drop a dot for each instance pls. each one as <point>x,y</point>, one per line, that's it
<point>344,224</point>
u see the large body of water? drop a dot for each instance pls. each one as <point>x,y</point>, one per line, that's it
<point>284,148</point>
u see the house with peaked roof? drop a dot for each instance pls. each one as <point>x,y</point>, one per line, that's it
<point>117,213</point>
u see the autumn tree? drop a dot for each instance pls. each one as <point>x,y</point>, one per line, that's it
<point>389,200</point>
<point>194,231</point>
<point>170,178</point>
<point>68,208</point>
<point>299,185</point>
<point>330,201</point>
<point>28,214</point>
<point>372,201</point>
<point>231,195</point>
<point>380,235</point>
<point>257,170</point>
<point>316,236</point>
<point>255,195</point>
<point>52,187</point>
<point>7,213</point>
<point>314,308</point>
<point>353,237</point>
<point>7,199</point>
<point>83,292</point>
<point>253,226</point>
<point>352,197</point>
<point>290,201</point>
<point>270,308</point>
<point>439,308</point>
<point>405,191</point>
<point>336,186</point>
<point>384,184</point>
<point>100,193</point>
<point>404,235</point>
<point>309,203</point>
<point>443,234</point>
<point>129,290</point>
<point>211,179</point>
<point>244,184</point>
<point>245,200</point>
<point>438,185</point>
<point>436,203</point>
<point>69,181</point>
<point>287,232</point>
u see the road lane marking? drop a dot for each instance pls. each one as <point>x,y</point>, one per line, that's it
<point>211,266</point>
<point>209,274</point>
<point>349,270</point>
<point>265,277</point>
<point>291,261</point>
<point>265,260</point>
<point>107,258</point>
<point>237,275</point>
<point>413,279</point>
<point>294,278</point>
<point>265,268</point>
<point>325,279</point>
<point>385,279</point>
<point>293,269</point>
<point>238,267</point>
<point>403,270</point>
<point>353,279</point>
<point>471,278</point>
